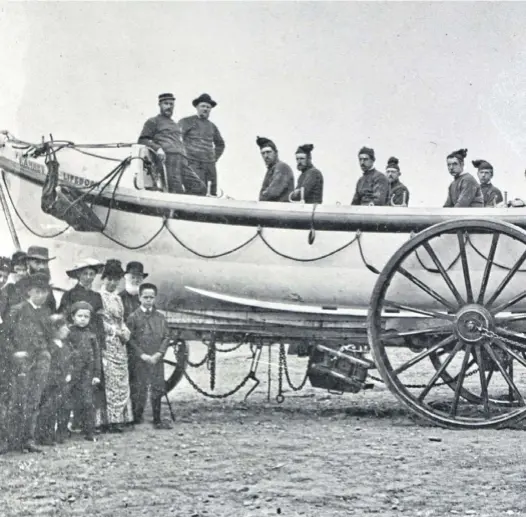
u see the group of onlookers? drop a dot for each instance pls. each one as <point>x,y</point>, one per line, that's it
<point>190,148</point>
<point>87,364</point>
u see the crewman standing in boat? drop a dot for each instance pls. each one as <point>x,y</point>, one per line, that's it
<point>163,136</point>
<point>491,194</point>
<point>373,187</point>
<point>398,192</point>
<point>464,191</point>
<point>279,179</point>
<point>203,142</point>
<point>310,180</point>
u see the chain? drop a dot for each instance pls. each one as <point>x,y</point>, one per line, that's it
<point>211,364</point>
<point>279,397</point>
<point>218,395</point>
<point>283,357</point>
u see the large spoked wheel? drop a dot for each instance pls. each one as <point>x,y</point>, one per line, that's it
<point>175,361</point>
<point>463,365</point>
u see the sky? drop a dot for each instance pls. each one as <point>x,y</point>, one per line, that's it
<point>415,80</point>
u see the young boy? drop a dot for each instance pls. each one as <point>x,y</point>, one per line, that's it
<point>149,340</point>
<point>52,408</point>
<point>85,360</point>
<point>30,338</point>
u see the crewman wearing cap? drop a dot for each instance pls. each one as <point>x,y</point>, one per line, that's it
<point>398,192</point>
<point>203,142</point>
<point>310,179</point>
<point>164,137</point>
<point>373,187</point>
<point>491,194</point>
<point>279,179</point>
<point>464,191</point>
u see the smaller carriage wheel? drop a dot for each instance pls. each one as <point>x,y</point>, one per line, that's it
<point>175,360</point>
<point>464,314</point>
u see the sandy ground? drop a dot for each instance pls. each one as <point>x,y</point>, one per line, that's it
<point>316,454</point>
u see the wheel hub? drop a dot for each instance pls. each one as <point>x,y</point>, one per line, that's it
<point>471,322</point>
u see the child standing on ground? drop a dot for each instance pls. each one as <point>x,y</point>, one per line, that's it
<point>149,340</point>
<point>85,359</point>
<point>54,398</point>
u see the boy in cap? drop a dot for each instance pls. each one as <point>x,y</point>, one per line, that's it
<point>149,340</point>
<point>203,142</point>
<point>29,325</point>
<point>163,136</point>
<point>464,191</point>
<point>279,179</point>
<point>85,368</point>
<point>54,397</point>
<point>310,180</point>
<point>491,194</point>
<point>373,187</point>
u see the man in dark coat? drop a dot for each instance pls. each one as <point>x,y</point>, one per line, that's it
<point>13,294</point>
<point>398,192</point>
<point>373,187</point>
<point>29,326</point>
<point>279,179</point>
<point>491,194</point>
<point>203,142</point>
<point>5,361</point>
<point>164,137</point>
<point>464,191</point>
<point>310,183</point>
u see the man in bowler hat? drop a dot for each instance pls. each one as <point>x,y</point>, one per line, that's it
<point>203,142</point>
<point>38,260</point>
<point>163,136</point>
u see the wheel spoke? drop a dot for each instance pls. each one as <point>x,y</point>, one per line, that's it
<point>487,269</point>
<point>443,272</point>
<point>504,373</point>
<point>422,355</point>
<point>419,332</point>
<point>503,306</point>
<point>483,382</point>
<point>465,266</point>
<point>439,372</point>
<point>460,379</point>
<point>510,352</point>
<point>427,289</point>
<point>425,312</point>
<point>511,336</point>
<point>506,280</point>
<point>171,363</point>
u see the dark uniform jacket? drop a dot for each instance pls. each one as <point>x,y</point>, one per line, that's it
<point>277,184</point>
<point>202,140</point>
<point>311,181</point>
<point>464,191</point>
<point>29,328</point>
<point>372,187</point>
<point>491,194</point>
<point>161,131</point>
<point>149,332</point>
<point>130,302</point>
<point>85,349</point>
<point>15,296</point>
<point>398,194</point>
<point>81,294</point>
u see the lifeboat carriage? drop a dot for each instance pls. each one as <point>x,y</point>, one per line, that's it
<point>432,300</point>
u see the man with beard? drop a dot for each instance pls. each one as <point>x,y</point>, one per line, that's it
<point>163,136</point>
<point>310,180</point>
<point>279,179</point>
<point>38,262</point>
<point>203,142</point>
<point>398,192</point>
<point>133,277</point>
<point>464,191</point>
<point>373,187</point>
<point>13,291</point>
<point>491,194</point>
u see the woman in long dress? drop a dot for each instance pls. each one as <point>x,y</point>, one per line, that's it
<point>114,356</point>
